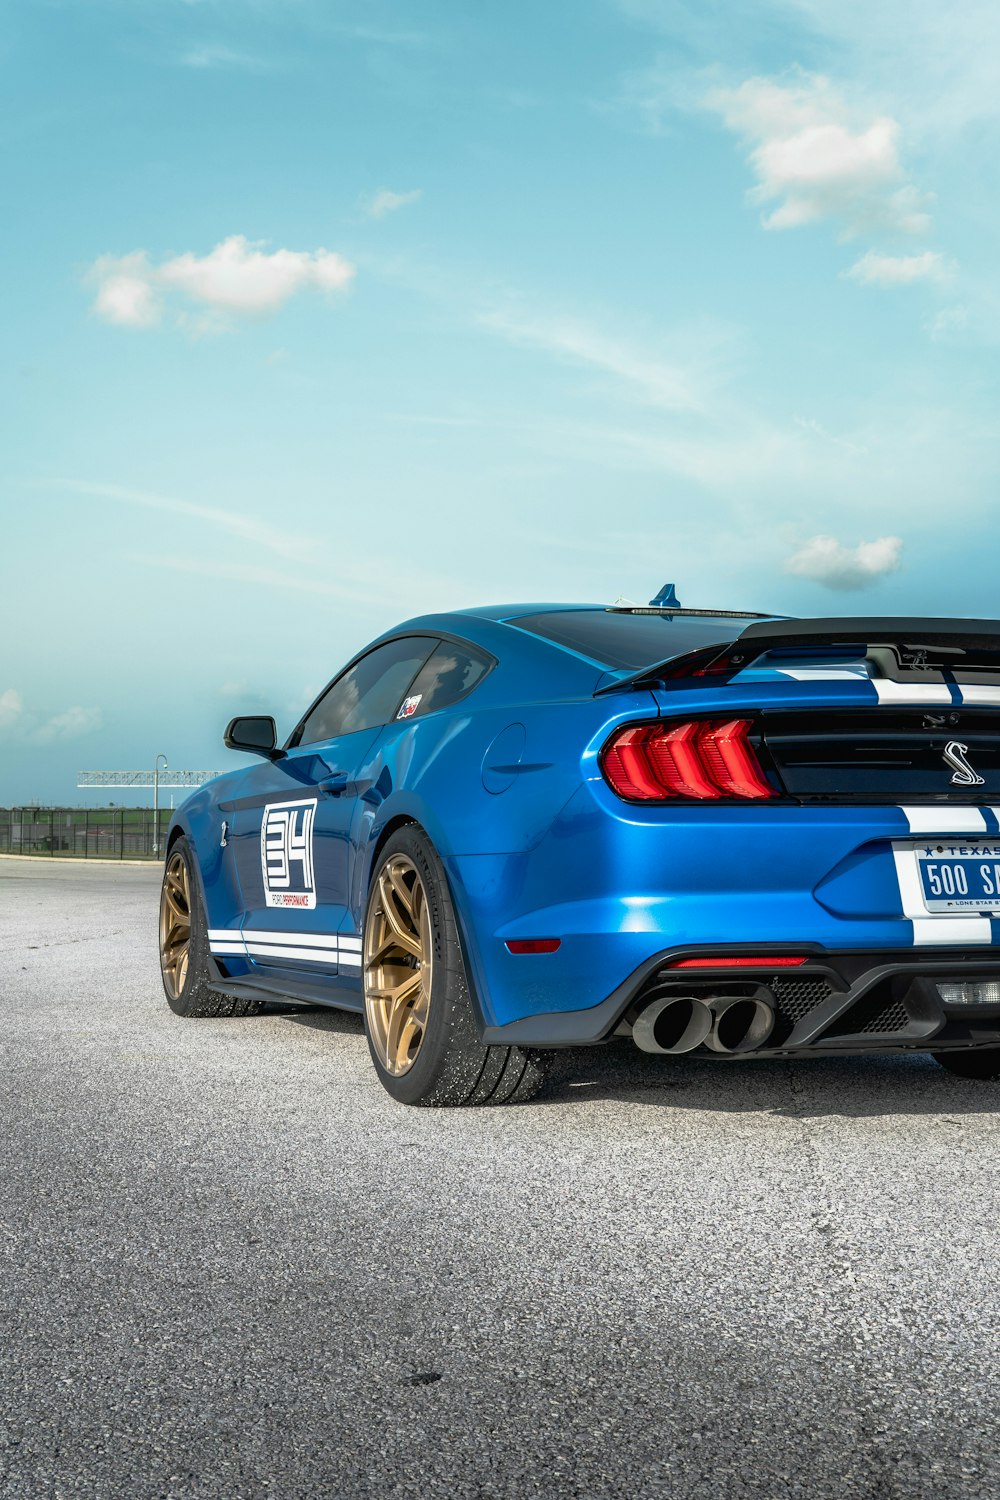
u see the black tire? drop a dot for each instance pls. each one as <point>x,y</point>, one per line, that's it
<point>452,1067</point>
<point>193,997</point>
<point>977,1062</point>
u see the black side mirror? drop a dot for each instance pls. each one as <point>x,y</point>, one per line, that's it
<point>256,734</point>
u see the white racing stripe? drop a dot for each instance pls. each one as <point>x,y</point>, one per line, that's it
<point>979,692</point>
<point>292,939</point>
<point>930,819</point>
<point>304,955</point>
<point>939,928</point>
<point>305,947</point>
<point>824,674</point>
<point>905,692</point>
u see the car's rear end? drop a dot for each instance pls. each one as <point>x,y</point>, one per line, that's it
<point>785,840</point>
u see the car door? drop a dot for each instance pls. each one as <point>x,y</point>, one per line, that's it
<point>293,824</point>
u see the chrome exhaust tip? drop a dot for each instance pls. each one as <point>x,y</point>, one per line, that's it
<point>672,1024</point>
<point>741,1024</point>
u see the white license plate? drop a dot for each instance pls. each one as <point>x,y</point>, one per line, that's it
<point>959,877</point>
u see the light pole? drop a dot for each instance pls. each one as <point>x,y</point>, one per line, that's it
<point>156,801</point>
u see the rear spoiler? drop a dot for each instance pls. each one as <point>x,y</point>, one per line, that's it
<point>911,649</point>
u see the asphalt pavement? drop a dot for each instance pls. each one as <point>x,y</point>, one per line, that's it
<point>231,1266</point>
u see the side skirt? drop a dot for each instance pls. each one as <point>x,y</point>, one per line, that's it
<point>338,997</point>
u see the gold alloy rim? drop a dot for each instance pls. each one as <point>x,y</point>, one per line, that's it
<point>398,965</point>
<point>175,925</point>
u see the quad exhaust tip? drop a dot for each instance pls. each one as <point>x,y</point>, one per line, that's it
<point>742,1024</point>
<point>674,1024</point>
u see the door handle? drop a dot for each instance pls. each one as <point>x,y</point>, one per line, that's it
<point>335,785</point>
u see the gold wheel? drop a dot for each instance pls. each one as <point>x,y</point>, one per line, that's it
<point>398,964</point>
<point>175,925</point>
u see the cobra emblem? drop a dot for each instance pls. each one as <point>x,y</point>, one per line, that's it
<point>955,755</point>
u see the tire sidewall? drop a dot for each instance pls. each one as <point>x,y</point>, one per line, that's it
<point>449,1019</point>
<point>198,973</point>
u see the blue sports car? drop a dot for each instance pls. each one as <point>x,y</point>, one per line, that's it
<point>501,831</point>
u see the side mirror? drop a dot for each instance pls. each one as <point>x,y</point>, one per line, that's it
<point>256,734</point>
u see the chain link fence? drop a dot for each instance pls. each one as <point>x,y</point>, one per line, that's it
<point>83,832</point>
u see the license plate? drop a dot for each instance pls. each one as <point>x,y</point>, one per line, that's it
<point>960,877</point>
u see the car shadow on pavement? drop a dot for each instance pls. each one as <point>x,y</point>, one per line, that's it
<point>806,1088</point>
<point>318,1017</point>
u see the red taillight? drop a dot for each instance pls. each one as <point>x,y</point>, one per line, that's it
<point>752,962</point>
<point>701,760</point>
<point>533,945</point>
<point>678,762</point>
<point>728,754</point>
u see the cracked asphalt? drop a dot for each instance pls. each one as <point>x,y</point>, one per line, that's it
<point>231,1267</point>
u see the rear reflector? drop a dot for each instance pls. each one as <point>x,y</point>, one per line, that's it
<point>782,961</point>
<point>533,945</point>
<point>702,760</point>
<point>974,992</point>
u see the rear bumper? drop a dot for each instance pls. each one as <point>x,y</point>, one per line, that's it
<point>836,1003</point>
<point>621,887</point>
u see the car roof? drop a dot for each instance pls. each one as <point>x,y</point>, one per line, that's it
<point>504,612</point>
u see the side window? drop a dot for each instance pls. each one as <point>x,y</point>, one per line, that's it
<point>369,694</point>
<point>451,673</point>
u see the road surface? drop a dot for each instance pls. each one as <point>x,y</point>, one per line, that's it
<point>231,1266</point>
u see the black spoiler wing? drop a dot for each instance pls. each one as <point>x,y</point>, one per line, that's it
<point>909,648</point>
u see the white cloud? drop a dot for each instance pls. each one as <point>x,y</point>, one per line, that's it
<point>18,723</point>
<point>815,158</point>
<point>11,708</point>
<point>126,293</point>
<point>237,277</point>
<point>387,202</point>
<point>70,725</point>
<point>846,569</point>
<point>874,269</point>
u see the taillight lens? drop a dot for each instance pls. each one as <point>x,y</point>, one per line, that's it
<point>703,760</point>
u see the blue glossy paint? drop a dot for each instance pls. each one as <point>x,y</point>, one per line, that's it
<point>507,786</point>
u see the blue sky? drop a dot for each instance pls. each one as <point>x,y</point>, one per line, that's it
<point>319,315</point>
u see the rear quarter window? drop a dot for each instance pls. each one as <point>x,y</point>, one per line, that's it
<point>450,675</point>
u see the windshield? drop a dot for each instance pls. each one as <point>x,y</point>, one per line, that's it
<point>627,641</point>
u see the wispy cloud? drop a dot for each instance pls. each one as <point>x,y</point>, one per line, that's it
<point>385,201</point>
<point>846,569</point>
<point>238,277</point>
<point>212,55</point>
<point>327,587</point>
<point>383,36</point>
<point>271,539</point>
<point>948,321</point>
<point>657,382</point>
<point>815,158</point>
<point>874,269</point>
<point>937,62</point>
<point>19,723</point>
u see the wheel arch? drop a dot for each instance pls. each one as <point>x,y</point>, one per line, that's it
<point>472,969</point>
<point>174,832</point>
<point>394,824</point>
